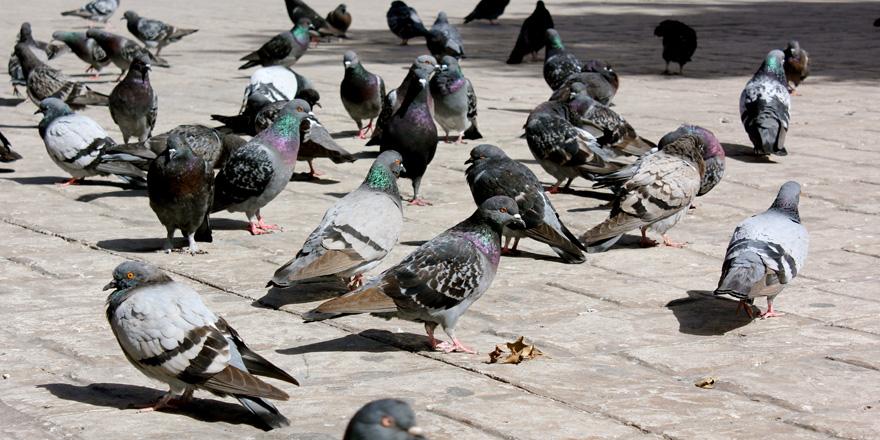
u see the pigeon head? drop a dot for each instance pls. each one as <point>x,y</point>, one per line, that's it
<point>53,107</point>
<point>449,62</point>
<point>426,63</point>
<point>287,122</point>
<point>24,34</point>
<point>141,65</point>
<point>485,151</point>
<point>398,4</point>
<point>500,211</point>
<point>441,18</point>
<point>773,64</point>
<point>309,95</point>
<point>579,91</point>
<point>132,274</point>
<point>130,15</point>
<point>176,148</point>
<point>793,46</point>
<point>68,37</point>
<point>350,59</point>
<point>690,148</point>
<point>385,170</point>
<point>303,25</point>
<point>387,419</point>
<point>552,39</point>
<point>711,146</point>
<point>787,200</point>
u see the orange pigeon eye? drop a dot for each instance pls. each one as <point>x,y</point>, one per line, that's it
<point>300,109</point>
<point>482,156</point>
<point>387,422</point>
<point>427,62</point>
<point>397,161</point>
<point>503,209</point>
<point>129,275</point>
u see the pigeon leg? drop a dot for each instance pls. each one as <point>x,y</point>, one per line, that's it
<point>312,169</point>
<point>794,91</point>
<point>667,72</point>
<point>435,344</point>
<point>460,141</point>
<point>266,226</point>
<point>403,43</point>
<point>72,181</point>
<point>494,23</point>
<point>169,238</point>
<point>646,242</point>
<point>118,78</point>
<point>193,247</point>
<point>446,139</point>
<point>456,345</point>
<point>355,282</point>
<point>669,243</point>
<point>681,70</point>
<point>744,305</point>
<point>770,313</point>
<point>693,207</point>
<point>555,189</point>
<point>510,251</point>
<point>416,200</point>
<point>166,401</point>
<point>534,56</point>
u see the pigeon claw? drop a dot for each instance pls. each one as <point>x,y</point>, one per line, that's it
<point>418,202</point>
<point>666,242</point>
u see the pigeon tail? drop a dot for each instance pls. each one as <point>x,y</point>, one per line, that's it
<point>603,245</point>
<point>472,132</point>
<point>636,146</point>
<point>740,274</point>
<point>563,242</point>
<point>264,409</point>
<point>204,234</point>
<point>769,134</point>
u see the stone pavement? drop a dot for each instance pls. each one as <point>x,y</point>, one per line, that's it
<point>628,333</point>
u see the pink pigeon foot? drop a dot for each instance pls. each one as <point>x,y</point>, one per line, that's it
<point>403,43</point>
<point>73,181</point>
<point>418,202</point>
<point>646,242</point>
<point>266,226</point>
<point>255,230</point>
<point>166,402</point>
<point>669,243</point>
<point>355,282</point>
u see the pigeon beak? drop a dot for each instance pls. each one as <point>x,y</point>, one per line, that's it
<point>312,114</point>
<point>402,169</point>
<point>415,430</point>
<point>436,68</point>
<point>519,220</point>
<point>347,64</point>
<point>471,160</point>
<point>319,104</point>
<point>423,82</point>
<point>110,285</point>
<point>39,110</point>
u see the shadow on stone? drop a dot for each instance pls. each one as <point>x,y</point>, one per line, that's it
<point>704,314</point>
<point>226,224</point>
<point>130,193</point>
<point>133,244</point>
<point>744,153</point>
<point>369,341</point>
<point>300,293</point>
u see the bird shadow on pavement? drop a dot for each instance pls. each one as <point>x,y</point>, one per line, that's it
<point>366,154</point>
<point>50,180</point>
<point>345,134</point>
<point>301,293</point>
<point>744,153</point>
<point>368,341</point>
<point>307,177</point>
<point>704,314</point>
<point>139,245</point>
<point>228,224</point>
<point>128,193</point>
<point>10,102</point>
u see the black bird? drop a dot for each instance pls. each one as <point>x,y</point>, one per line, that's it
<point>404,22</point>
<point>531,34</point>
<point>679,43</point>
<point>559,63</point>
<point>443,39</point>
<point>765,107</point>
<point>133,103</point>
<point>391,101</point>
<point>487,10</point>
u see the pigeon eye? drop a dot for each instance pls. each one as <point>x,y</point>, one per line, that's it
<point>300,108</point>
<point>397,161</point>
<point>482,157</point>
<point>129,275</point>
<point>387,421</point>
<point>427,62</point>
<point>503,209</point>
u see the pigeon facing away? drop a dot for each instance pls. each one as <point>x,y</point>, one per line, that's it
<point>797,65</point>
<point>438,281</point>
<point>180,186</point>
<point>713,154</point>
<point>283,49</point>
<point>122,51</point>
<point>41,50</point>
<point>361,92</point>
<point>133,103</point>
<point>487,10</point>
<point>599,78</point>
<point>531,34</point>
<point>558,62</point>
<point>44,81</point>
<point>167,333</point>
<point>208,143</point>
<point>356,233</point>
<point>492,173</point>
<point>656,192</point>
<point>6,153</point>
<point>766,252</point>
<point>615,136</point>
<point>96,10</point>
<point>679,43</point>
<point>404,22</point>
<point>386,419</point>
<point>154,33</point>
<point>87,49</point>
<point>455,103</point>
<point>765,107</point>
<point>391,102</point>
<point>443,39</point>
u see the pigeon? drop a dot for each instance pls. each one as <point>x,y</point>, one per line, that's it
<point>41,50</point>
<point>443,39</point>
<point>797,65</point>
<point>561,147</point>
<point>487,10</point>
<point>679,43</point>
<point>258,171</point>
<point>6,153</point>
<point>167,333</point>
<point>154,33</point>
<point>614,135</point>
<point>438,281</point>
<point>122,51</point>
<point>492,173</point>
<point>361,93</point>
<point>405,22</point>
<point>298,9</point>
<point>87,49</point>
<point>600,79</point>
<point>386,419</point>
<point>391,102</point>
<point>765,107</point>
<point>455,103</point>
<point>283,49</point>
<point>96,10</point>
<point>80,147</point>
<point>713,154</point>
<point>44,81</point>
<point>656,193</point>
<point>558,62</point>
<point>208,143</point>
<point>180,186</point>
<point>356,233</point>
<point>766,252</point>
<point>339,18</point>
<point>133,103</point>
<point>531,34</point>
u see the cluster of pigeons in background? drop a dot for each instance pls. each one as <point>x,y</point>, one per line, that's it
<point>574,134</point>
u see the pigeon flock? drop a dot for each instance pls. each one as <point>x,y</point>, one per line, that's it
<point>194,171</point>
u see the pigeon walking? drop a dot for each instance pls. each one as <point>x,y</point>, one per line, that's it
<point>615,136</point>
<point>599,78</point>
<point>487,10</point>
<point>386,419</point>
<point>154,33</point>
<point>531,34</point>
<point>765,107</point>
<point>443,39</point>
<point>122,51</point>
<point>6,153</point>
<point>87,49</point>
<point>41,50</point>
<point>44,81</point>
<point>96,10</point>
<point>766,252</point>
<point>455,103</point>
<point>713,154</point>
<point>558,62</point>
<point>356,233</point>
<point>391,102</point>
<point>404,22</point>
<point>361,93</point>
<point>679,43</point>
<point>167,333</point>
<point>283,49</point>
<point>438,281</point>
<point>797,65</point>
<point>133,103</point>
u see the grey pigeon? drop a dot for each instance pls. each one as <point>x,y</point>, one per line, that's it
<point>356,233</point>
<point>713,154</point>
<point>258,171</point>
<point>656,193</point>
<point>6,153</point>
<point>41,50</point>
<point>386,419</point>
<point>283,49</point>
<point>180,186</point>
<point>766,252</point>
<point>455,103</point>
<point>679,43</point>
<point>598,76</point>
<point>765,107</point>
<point>487,10</point>
<point>361,92</point>
<point>438,281</point>
<point>492,173</point>
<point>443,39</point>
<point>212,145</point>
<point>531,34</point>
<point>154,33</point>
<point>391,102</point>
<point>80,147</point>
<point>44,81</point>
<point>558,62</point>
<point>167,333</point>
<point>87,49</point>
<point>95,10</point>
<point>298,9</point>
<point>615,136</point>
<point>404,22</point>
<point>122,51</point>
<point>339,18</point>
<point>133,103</point>
<point>797,65</point>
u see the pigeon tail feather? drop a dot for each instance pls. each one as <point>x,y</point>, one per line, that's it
<point>264,409</point>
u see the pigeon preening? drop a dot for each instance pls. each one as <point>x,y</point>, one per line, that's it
<point>180,186</point>
<point>361,92</point>
<point>298,9</point>
<point>797,65</point>
<point>391,102</point>
<point>599,78</point>
<point>41,50</point>
<point>656,193</point>
<point>96,10</point>
<point>283,49</point>
<point>713,154</point>
<point>615,136</point>
<point>492,173</point>
<point>258,171</point>
<point>765,107</point>
<point>679,43</point>
<point>356,233</point>
<point>455,103</point>
<point>87,49</point>
<point>559,63</point>
<point>766,252</point>
<point>122,51</point>
<point>531,35</point>
<point>404,22</point>
<point>80,147</point>
<point>167,333</point>
<point>339,18</point>
<point>386,419</point>
<point>438,281</point>
<point>443,39</point>
<point>487,10</point>
<point>44,81</point>
<point>210,144</point>
<point>6,153</point>
<point>154,33</point>
<point>133,103</point>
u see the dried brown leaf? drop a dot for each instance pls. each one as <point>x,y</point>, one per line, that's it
<point>707,383</point>
<point>519,352</point>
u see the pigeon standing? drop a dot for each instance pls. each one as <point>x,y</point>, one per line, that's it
<point>40,49</point>
<point>87,49</point>
<point>180,186</point>
<point>797,65</point>
<point>356,233</point>
<point>404,22</point>
<point>765,107</point>
<point>298,9</point>
<point>713,154</point>
<point>154,33</point>
<point>257,172</point>
<point>599,78</point>
<point>283,49</point>
<point>679,43</point>
<point>531,34</point>
<point>361,93</point>
<point>133,103</point>
<point>455,103</point>
<point>122,51</point>
<point>6,153</point>
<point>386,419</point>
<point>766,252</point>
<point>391,102</point>
<point>487,10</point>
<point>438,281</point>
<point>443,39</point>
<point>96,10</point>
<point>167,333</point>
<point>492,173</point>
<point>44,81</point>
<point>558,62</point>
<point>615,136</point>
<point>339,18</point>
